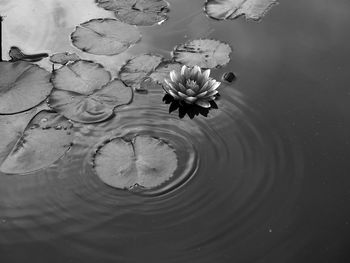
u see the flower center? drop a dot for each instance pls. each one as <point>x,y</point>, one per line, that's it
<point>192,84</point>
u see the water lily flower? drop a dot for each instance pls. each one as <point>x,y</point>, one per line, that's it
<point>192,86</point>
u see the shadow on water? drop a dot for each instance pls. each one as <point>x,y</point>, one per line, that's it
<point>187,109</point>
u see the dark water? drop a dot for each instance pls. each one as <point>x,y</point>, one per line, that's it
<point>266,175</point>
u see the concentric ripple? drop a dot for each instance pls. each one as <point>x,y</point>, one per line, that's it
<point>236,182</point>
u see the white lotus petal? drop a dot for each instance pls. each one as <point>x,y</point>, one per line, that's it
<point>206,74</point>
<point>204,87</point>
<point>201,95</point>
<point>212,93</point>
<point>173,76</point>
<point>182,95</point>
<point>190,92</point>
<point>214,86</point>
<point>203,103</point>
<point>190,99</point>
<point>172,93</point>
<point>181,87</point>
<point>183,70</point>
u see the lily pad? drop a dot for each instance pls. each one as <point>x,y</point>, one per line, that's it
<point>84,94</point>
<point>105,36</point>
<point>231,9</point>
<point>63,58</point>
<point>22,86</point>
<point>163,70</point>
<point>144,161</point>
<point>137,12</point>
<point>32,143</point>
<point>205,53</point>
<point>138,68</point>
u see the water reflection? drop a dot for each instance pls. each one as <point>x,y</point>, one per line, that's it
<point>187,109</point>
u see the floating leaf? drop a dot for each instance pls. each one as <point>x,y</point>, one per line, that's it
<point>231,9</point>
<point>64,58</point>
<point>84,94</point>
<point>163,70</point>
<point>81,77</point>
<point>138,68</point>
<point>16,54</point>
<point>30,147</point>
<point>22,86</point>
<point>144,161</point>
<point>137,12</point>
<point>205,53</point>
<point>95,107</point>
<point>105,36</point>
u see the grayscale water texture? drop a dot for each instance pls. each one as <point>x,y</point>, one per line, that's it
<point>265,177</point>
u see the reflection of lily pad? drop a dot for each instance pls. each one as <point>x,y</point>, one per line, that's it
<point>137,68</point>
<point>22,86</point>
<point>29,147</point>
<point>231,9</point>
<point>105,36</point>
<point>144,161</point>
<point>137,12</point>
<point>64,58</point>
<point>206,53</point>
<point>83,92</point>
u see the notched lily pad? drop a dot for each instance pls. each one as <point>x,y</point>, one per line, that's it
<point>163,70</point>
<point>84,94</point>
<point>64,57</point>
<point>138,68</point>
<point>22,86</point>
<point>105,36</point>
<point>205,53</point>
<point>144,161</point>
<point>32,143</point>
<point>137,12</point>
<point>231,9</point>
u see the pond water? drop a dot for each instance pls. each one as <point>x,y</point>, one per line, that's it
<point>266,174</point>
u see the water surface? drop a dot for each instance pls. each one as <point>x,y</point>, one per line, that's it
<point>266,175</point>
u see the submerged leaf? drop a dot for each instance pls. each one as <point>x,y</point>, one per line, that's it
<point>137,12</point>
<point>231,9</point>
<point>138,68</point>
<point>144,161</point>
<point>64,57</point>
<point>205,53</point>
<point>16,54</point>
<point>105,36</point>
<point>22,86</point>
<point>31,143</point>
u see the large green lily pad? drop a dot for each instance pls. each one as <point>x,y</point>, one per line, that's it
<point>138,68</point>
<point>22,86</point>
<point>137,12</point>
<point>143,161</point>
<point>84,94</point>
<point>105,36</point>
<point>231,9</point>
<point>31,141</point>
<point>205,53</point>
